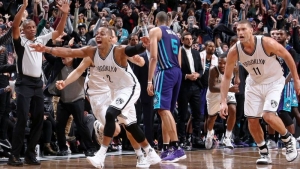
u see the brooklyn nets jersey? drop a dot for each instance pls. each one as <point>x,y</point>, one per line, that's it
<point>262,69</point>
<point>116,77</point>
<point>96,83</point>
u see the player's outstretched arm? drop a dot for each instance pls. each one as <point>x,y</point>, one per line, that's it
<point>65,52</point>
<point>75,74</point>
<point>232,57</point>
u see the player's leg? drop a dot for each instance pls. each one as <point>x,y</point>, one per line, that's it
<point>230,120</point>
<point>213,106</point>
<point>273,93</point>
<point>253,111</point>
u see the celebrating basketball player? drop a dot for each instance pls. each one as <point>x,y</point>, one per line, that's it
<point>263,86</point>
<point>111,62</point>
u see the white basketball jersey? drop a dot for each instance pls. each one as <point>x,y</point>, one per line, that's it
<point>210,95</point>
<point>96,83</point>
<point>262,69</point>
<point>116,77</point>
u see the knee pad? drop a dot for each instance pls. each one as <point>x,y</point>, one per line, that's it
<point>136,132</point>
<point>110,117</point>
<point>286,118</point>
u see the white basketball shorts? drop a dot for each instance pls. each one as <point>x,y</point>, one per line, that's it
<point>99,104</point>
<point>213,104</point>
<point>261,98</point>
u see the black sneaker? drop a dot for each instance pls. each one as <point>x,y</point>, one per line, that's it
<point>5,143</point>
<point>62,153</point>
<point>31,160</point>
<point>14,161</point>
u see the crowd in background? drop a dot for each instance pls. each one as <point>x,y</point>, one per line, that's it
<point>212,24</point>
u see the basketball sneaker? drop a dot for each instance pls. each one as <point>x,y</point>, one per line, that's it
<point>97,160</point>
<point>209,140</point>
<point>176,155</point>
<point>99,133</point>
<point>142,162</point>
<point>272,144</point>
<point>265,159</point>
<point>165,153</point>
<point>291,149</point>
<point>152,157</point>
<point>227,142</point>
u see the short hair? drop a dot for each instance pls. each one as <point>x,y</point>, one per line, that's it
<point>162,17</point>
<point>223,55</point>
<point>113,29</point>
<point>245,22</point>
<point>208,42</point>
<point>285,31</point>
<point>274,29</point>
<point>131,35</point>
<point>185,34</point>
<point>25,22</point>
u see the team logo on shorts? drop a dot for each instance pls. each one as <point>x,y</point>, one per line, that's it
<point>274,103</point>
<point>119,101</point>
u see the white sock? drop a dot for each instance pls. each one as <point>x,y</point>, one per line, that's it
<point>147,148</point>
<point>209,133</point>
<point>228,134</point>
<point>103,149</point>
<point>261,144</point>
<point>138,152</point>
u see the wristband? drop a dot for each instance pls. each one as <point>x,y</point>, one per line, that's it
<point>149,82</point>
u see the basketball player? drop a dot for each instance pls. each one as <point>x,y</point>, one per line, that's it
<point>111,63</point>
<point>213,103</point>
<point>100,97</point>
<point>263,86</point>
<point>166,53</point>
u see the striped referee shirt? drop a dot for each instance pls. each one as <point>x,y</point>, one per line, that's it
<point>29,63</point>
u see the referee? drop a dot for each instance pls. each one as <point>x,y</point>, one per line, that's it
<point>29,84</point>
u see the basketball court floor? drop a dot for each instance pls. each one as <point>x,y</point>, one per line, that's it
<point>239,158</point>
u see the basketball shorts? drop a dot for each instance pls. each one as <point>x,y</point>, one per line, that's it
<point>261,98</point>
<point>213,104</point>
<point>99,104</point>
<point>288,98</point>
<point>124,100</point>
<point>167,86</point>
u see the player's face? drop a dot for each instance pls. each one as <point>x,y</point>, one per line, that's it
<point>221,64</point>
<point>103,38</point>
<point>274,34</point>
<point>244,32</point>
<point>281,36</point>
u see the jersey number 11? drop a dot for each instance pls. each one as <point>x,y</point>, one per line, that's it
<point>256,71</point>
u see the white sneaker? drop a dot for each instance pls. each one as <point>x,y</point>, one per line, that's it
<point>272,144</point>
<point>142,162</point>
<point>227,142</point>
<point>97,161</point>
<point>152,157</point>
<point>99,133</point>
<point>209,140</point>
<point>265,159</point>
<point>291,150</point>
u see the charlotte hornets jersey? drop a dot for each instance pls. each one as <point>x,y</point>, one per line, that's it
<point>284,66</point>
<point>262,69</point>
<point>168,49</point>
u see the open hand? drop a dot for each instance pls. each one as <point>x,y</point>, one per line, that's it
<point>38,47</point>
<point>64,6</point>
<point>223,110</point>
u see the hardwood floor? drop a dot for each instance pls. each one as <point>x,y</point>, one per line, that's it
<point>240,158</point>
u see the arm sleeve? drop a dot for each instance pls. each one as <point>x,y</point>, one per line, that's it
<point>40,27</point>
<point>134,50</point>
